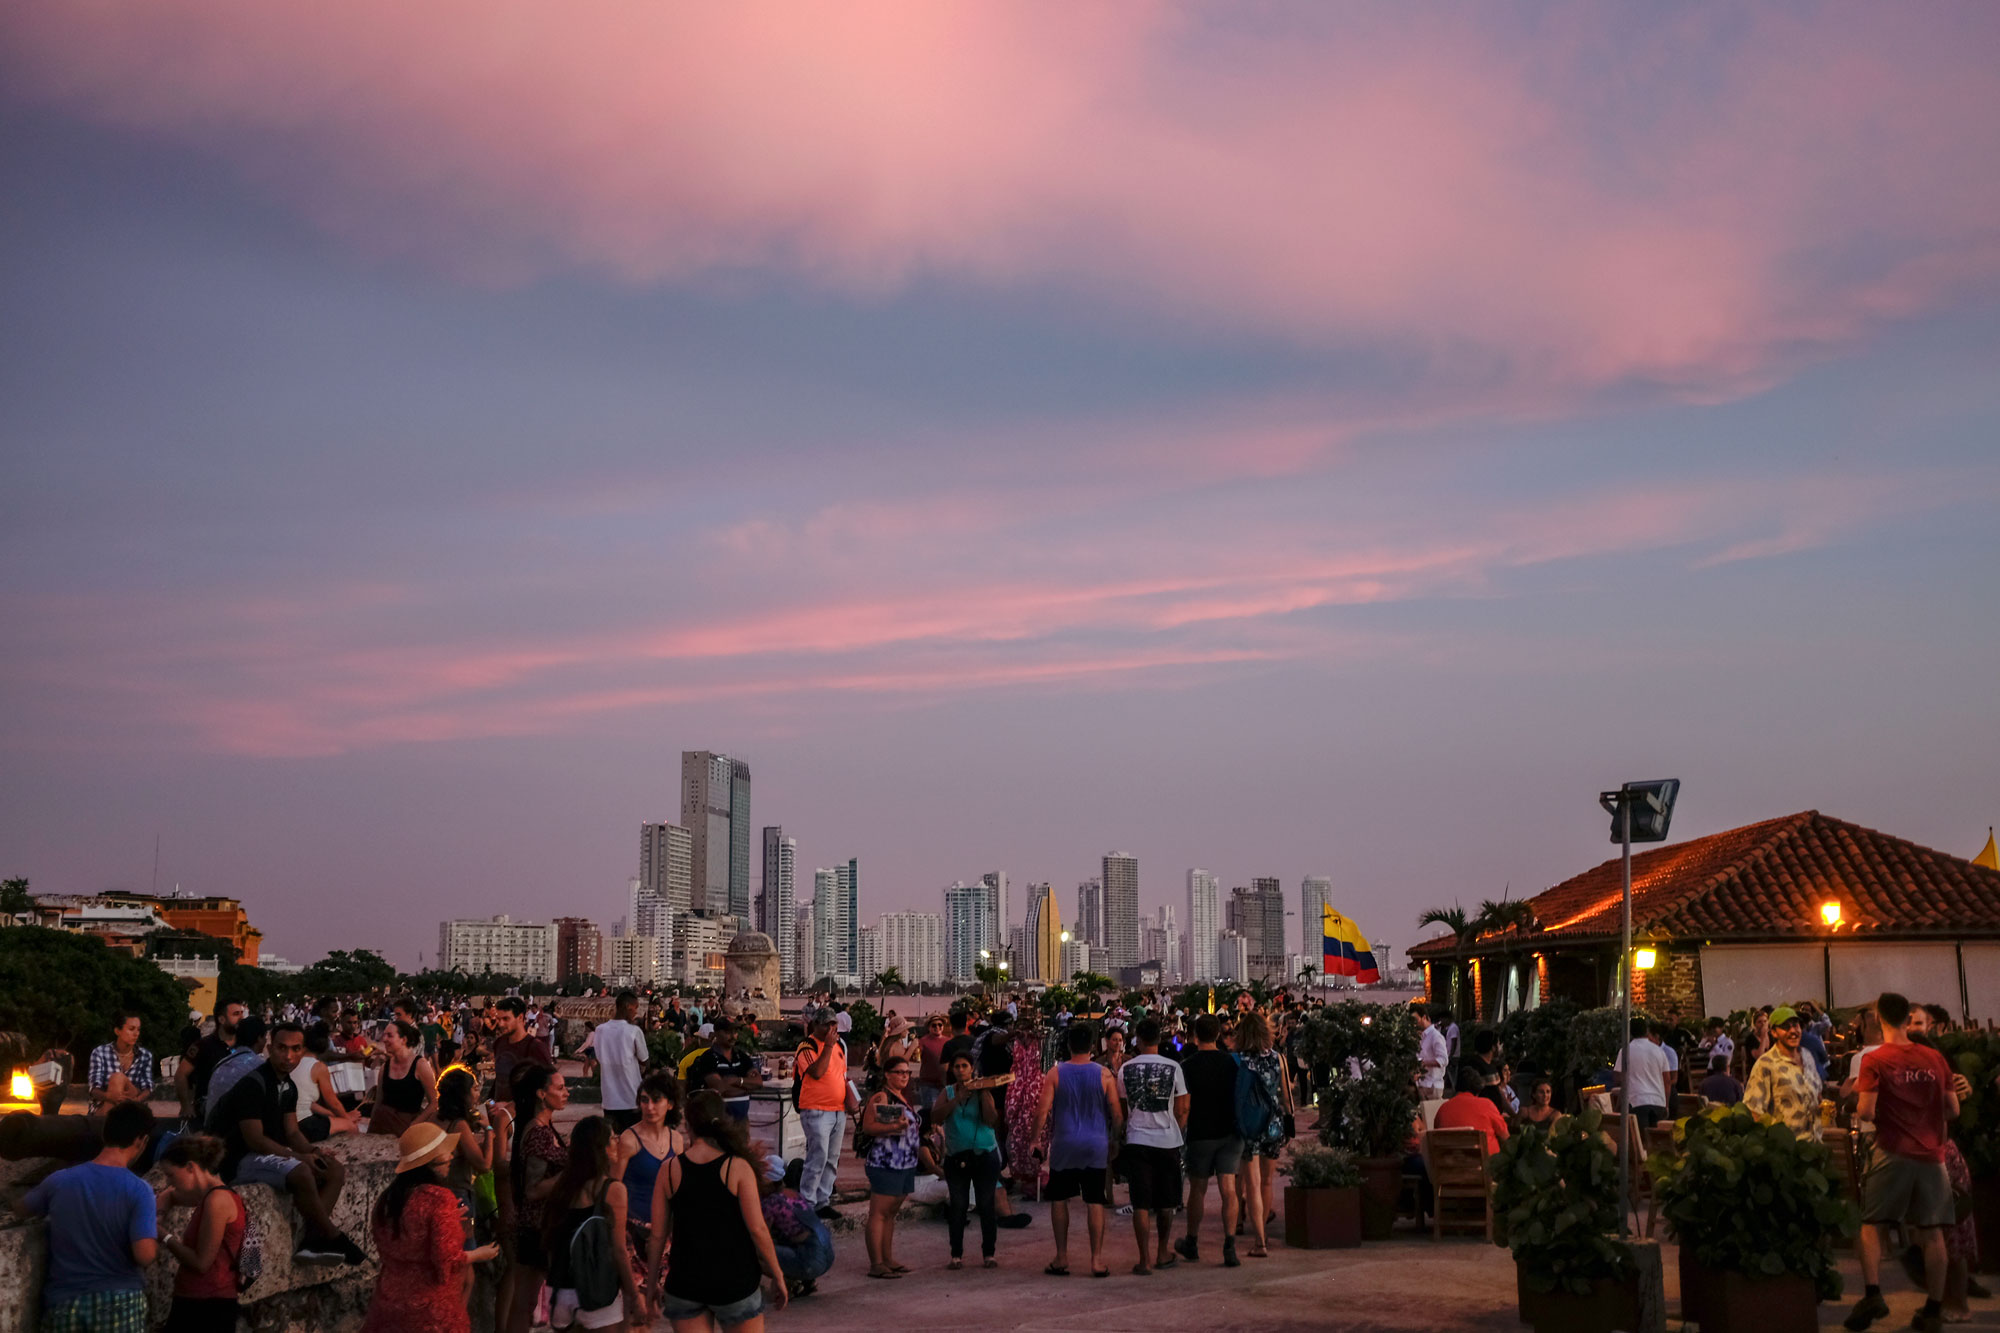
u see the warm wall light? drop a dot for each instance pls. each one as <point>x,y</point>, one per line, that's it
<point>22,1086</point>
<point>1643,959</point>
<point>1830,913</point>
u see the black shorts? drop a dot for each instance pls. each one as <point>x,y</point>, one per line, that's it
<point>1154,1175</point>
<point>1089,1181</point>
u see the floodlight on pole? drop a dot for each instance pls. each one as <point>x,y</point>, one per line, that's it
<point>1643,959</point>
<point>1640,812</point>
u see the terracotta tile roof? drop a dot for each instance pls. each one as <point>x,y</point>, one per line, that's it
<point>1768,880</point>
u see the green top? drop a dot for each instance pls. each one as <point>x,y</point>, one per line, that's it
<point>965,1130</point>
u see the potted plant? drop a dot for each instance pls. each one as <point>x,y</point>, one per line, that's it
<point>1369,1103</point>
<point>1755,1212</point>
<point>1976,1055</point>
<point>1555,1205</point>
<point>1323,1200</point>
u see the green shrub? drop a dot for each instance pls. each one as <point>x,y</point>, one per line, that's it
<point>1751,1198</point>
<point>1313,1167</point>
<point>1555,1204</point>
<point>1596,1036</point>
<point>1538,1039</point>
<point>664,1049</point>
<point>1370,1115</point>
<point>1977,1129</point>
<point>63,989</point>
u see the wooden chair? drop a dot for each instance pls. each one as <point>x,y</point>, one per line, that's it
<point>1687,1104</point>
<point>1456,1159</point>
<point>1846,1167</point>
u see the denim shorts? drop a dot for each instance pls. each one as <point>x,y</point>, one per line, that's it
<point>735,1312</point>
<point>895,1181</point>
<point>265,1169</point>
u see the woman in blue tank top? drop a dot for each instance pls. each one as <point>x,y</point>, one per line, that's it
<point>645,1148</point>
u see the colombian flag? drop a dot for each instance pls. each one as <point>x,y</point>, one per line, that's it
<point>1347,953</point>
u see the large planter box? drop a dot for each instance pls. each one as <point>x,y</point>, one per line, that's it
<point>1322,1219</point>
<point>1725,1301</point>
<point>1381,1186</point>
<point>1610,1307</point>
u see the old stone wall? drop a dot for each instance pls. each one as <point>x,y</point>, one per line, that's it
<point>287,1298</point>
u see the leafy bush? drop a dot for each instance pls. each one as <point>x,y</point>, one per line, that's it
<point>1596,1036</point>
<point>1555,1204</point>
<point>1977,1129</point>
<point>664,1049</point>
<point>61,989</point>
<point>1751,1198</point>
<point>1370,1112</point>
<point>868,1026</point>
<point>1313,1167</point>
<point>1538,1039</point>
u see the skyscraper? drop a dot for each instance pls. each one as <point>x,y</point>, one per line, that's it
<point>1258,915</point>
<point>868,955</point>
<point>779,916</point>
<point>996,885</point>
<point>579,948</point>
<point>1121,909</point>
<point>1041,934</point>
<point>913,944</point>
<point>666,878</point>
<point>1160,942</point>
<point>715,809</point>
<point>739,840</point>
<point>1090,913</point>
<point>805,958</point>
<point>1203,924</point>
<point>968,928</point>
<point>824,913</point>
<point>847,916</point>
<point>1315,892</point>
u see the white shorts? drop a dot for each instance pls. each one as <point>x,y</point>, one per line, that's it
<point>563,1311</point>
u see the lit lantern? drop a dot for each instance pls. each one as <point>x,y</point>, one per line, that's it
<point>1830,914</point>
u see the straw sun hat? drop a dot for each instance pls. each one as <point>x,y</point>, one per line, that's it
<point>420,1144</point>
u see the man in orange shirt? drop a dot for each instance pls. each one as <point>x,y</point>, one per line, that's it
<point>1469,1110</point>
<point>820,1069</point>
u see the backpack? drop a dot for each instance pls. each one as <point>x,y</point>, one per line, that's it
<point>1255,1112</point>
<point>593,1263</point>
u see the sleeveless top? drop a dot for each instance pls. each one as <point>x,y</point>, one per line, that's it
<point>713,1260</point>
<point>560,1275</point>
<point>966,1130</point>
<point>403,1094</point>
<point>219,1282</point>
<point>642,1171</point>
<point>1081,1122</point>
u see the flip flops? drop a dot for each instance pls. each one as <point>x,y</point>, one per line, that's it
<point>1056,1270</point>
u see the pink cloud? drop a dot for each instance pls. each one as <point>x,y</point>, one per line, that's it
<point>1691,199</point>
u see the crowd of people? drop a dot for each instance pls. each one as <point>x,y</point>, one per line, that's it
<point>663,1206</point>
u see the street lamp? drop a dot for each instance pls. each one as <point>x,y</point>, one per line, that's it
<point>1640,812</point>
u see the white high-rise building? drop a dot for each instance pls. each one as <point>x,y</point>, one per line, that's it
<point>779,909</point>
<point>666,861</point>
<point>968,928</point>
<point>1160,942</point>
<point>1232,959</point>
<point>869,964</point>
<point>913,944</point>
<point>1121,910</point>
<point>825,911</point>
<point>1204,923</point>
<point>1077,956</point>
<point>501,944</point>
<point>1090,912</point>
<point>1315,892</point>
<point>804,958</point>
<point>699,945</point>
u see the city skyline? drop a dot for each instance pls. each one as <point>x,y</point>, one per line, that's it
<point>1288,441</point>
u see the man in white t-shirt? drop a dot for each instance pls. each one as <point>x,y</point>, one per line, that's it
<point>1155,1095</point>
<point>1432,1055</point>
<point>843,1022</point>
<point>1646,1075</point>
<point>621,1059</point>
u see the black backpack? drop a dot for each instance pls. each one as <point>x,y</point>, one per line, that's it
<point>593,1261</point>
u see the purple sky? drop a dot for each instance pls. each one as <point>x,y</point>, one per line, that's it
<point>1322,444</point>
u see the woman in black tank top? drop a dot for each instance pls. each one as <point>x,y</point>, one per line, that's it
<point>404,1095</point>
<point>716,1224</point>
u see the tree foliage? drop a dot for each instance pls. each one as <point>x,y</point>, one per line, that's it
<point>345,972</point>
<point>1976,1055</point>
<point>1370,1054</point>
<point>868,1025</point>
<point>63,989</point>
<point>15,900</point>
<point>1538,1039</point>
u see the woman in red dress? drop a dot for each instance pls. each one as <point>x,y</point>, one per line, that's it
<point>422,1288</point>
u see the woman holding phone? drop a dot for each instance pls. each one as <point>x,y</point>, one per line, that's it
<point>891,1122</point>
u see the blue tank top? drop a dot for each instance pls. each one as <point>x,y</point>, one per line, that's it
<point>1080,1122</point>
<point>640,1173</point>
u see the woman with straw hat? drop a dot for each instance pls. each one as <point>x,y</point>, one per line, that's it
<point>421,1243</point>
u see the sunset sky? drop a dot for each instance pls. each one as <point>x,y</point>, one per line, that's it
<point>1280,438</point>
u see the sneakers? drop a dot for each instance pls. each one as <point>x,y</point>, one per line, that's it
<point>1229,1259</point>
<point>1187,1248</point>
<point>826,1212</point>
<point>318,1252</point>
<point>351,1252</point>
<point>1015,1221</point>
<point>1865,1312</point>
<point>1927,1323</point>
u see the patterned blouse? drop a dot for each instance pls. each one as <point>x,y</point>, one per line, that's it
<point>1787,1089</point>
<point>897,1152</point>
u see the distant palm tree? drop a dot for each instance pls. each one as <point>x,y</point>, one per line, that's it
<point>1454,917</point>
<point>1092,984</point>
<point>889,979</point>
<point>1310,975</point>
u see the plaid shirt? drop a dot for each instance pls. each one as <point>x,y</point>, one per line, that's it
<point>104,1063</point>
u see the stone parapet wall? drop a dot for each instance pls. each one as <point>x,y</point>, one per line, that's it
<point>287,1297</point>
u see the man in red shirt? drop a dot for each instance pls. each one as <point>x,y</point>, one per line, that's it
<point>1469,1110</point>
<point>1906,1090</point>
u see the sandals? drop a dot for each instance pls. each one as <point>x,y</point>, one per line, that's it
<point>1100,1272</point>
<point>1259,1252</point>
<point>899,1269</point>
<point>885,1274</point>
<point>955,1265</point>
<point>1056,1270</point>
<point>1168,1262</point>
<point>989,1262</point>
<point>1140,1270</point>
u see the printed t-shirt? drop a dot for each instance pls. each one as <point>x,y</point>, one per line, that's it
<point>1909,1082</point>
<point>1149,1084</point>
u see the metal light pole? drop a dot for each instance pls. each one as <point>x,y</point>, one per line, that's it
<point>1658,798</point>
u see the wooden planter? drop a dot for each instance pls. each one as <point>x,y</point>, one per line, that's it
<point>1322,1219</point>
<point>1381,1187</point>
<point>1611,1306</point>
<point>1725,1301</point>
